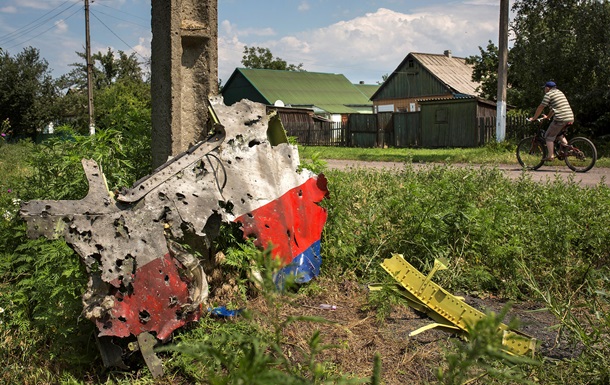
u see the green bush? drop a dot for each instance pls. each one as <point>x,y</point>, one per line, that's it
<point>57,172</point>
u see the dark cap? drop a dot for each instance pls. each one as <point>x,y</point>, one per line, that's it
<point>550,84</point>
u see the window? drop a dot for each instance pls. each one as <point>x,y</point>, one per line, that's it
<point>441,115</point>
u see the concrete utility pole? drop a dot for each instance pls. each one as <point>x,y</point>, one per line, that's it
<point>502,72</point>
<point>89,70</point>
<point>184,73</point>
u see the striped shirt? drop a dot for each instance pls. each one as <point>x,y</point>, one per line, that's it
<point>559,104</point>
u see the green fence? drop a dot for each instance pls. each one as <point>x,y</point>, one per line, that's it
<point>400,130</point>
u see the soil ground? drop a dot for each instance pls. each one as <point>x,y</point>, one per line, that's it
<point>358,335</point>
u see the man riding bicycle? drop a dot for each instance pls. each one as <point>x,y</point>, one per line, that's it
<point>560,109</point>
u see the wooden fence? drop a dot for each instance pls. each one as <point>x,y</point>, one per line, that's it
<point>400,130</point>
<point>516,128</point>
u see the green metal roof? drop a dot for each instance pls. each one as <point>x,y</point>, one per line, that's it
<point>368,89</point>
<point>333,93</point>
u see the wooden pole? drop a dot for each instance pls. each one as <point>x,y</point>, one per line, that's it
<point>89,70</point>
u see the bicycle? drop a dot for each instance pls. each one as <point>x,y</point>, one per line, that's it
<point>579,154</point>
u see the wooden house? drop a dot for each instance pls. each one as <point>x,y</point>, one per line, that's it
<point>441,90</point>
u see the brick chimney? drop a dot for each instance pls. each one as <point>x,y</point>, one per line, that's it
<point>448,53</point>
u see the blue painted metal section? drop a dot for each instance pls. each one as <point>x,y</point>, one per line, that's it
<point>304,267</point>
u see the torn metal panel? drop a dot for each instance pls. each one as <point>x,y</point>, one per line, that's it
<point>293,223</point>
<point>449,311</point>
<point>141,280</point>
<point>146,343</point>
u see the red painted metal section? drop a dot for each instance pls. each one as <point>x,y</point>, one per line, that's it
<point>292,223</point>
<point>154,305</point>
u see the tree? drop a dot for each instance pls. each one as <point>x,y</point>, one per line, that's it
<point>384,77</point>
<point>262,58</point>
<point>107,69</point>
<point>27,92</point>
<point>121,96</point>
<point>485,71</point>
<point>567,41</point>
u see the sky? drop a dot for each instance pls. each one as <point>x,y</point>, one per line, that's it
<point>361,39</point>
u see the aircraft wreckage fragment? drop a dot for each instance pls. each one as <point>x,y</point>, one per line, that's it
<point>141,281</point>
<point>450,312</point>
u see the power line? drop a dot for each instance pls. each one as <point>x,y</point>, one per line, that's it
<point>41,33</point>
<point>117,36</point>
<point>33,25</point>
<point>98,2</point>
<point>118,18</point>
<point>57,11</point>
<point>32,22</point>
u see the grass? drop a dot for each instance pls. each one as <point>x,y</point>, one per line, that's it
<point>513,239</point>
<point>492,154</point>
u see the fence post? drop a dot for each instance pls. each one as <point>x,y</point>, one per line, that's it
<point>309,125</point>
<point>347,133</point>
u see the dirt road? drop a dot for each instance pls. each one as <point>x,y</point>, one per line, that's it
<point>592,178</point>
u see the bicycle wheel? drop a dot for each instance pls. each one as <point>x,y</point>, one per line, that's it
<point>530,153</point>
<point>582,156</point>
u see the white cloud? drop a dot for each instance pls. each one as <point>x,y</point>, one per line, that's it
<point>304,6</point>
<point>8,9</point>
<point>228,28</point>
<point>230,52</point>
<point>366,47</point>
<point>143,47</point>
<point>61,26</point>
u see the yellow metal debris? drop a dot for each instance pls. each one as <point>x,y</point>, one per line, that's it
<point>449,311</point>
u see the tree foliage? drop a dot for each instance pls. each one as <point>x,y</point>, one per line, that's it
<point>107,69</point>
<point>27,91</point>
<point>121,95</point>
<point>384,77</point>
<point>567,41</point>
<point>564,41</point>
<point>262,58</point>
<point>485,71</point>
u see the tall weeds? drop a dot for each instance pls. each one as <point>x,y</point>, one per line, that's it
<point>482,222</point>
<point>515,239</point>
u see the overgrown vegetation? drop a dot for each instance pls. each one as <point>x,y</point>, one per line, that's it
<point>511,239</point>
<point>568,45</point>
<point>254,352</point>
<point>508,239</point>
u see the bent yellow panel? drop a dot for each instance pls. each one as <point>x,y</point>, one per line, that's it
<point>448,306</point>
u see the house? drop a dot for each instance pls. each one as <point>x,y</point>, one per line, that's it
<point>441,89</point>
<point>331,96</point>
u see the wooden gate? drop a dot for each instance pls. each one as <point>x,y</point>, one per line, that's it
<point>407,129</point>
